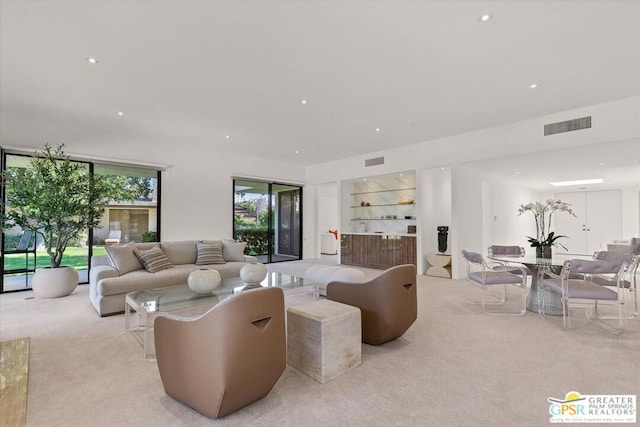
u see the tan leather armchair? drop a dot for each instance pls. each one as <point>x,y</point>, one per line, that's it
<point>388,303</point>
<point>227,358</point>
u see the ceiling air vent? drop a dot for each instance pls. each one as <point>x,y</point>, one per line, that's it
<point>568,126</point>
<point>374,162</point>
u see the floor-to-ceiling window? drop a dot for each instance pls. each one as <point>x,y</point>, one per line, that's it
<point>135,220</point>
<point>268,216</point>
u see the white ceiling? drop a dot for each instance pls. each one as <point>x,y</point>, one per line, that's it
<point>617,163</point>
<point>193,72</point>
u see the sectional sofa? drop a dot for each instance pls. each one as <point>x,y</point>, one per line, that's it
<point>134,267</point>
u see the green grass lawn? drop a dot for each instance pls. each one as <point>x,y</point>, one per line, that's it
<point>73,256</point>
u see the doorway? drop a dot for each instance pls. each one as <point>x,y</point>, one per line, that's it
<point>268,216</point>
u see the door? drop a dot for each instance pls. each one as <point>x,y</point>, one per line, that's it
<point>268,217</point>
<point>288,222</point>
<point>598,220</point>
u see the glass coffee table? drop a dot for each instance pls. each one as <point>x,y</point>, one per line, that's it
<point>142,307</point>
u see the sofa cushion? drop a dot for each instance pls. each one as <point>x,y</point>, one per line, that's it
<point>233,251</point>
<point>143,246</point>
<point>153,259</point>
<point>123,258</point>
<point>210,253</point>
<point>142,279</point>
<point>180,252</point>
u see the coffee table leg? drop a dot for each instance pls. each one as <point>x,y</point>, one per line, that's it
<point>149,339</point>
<point>140,324</point>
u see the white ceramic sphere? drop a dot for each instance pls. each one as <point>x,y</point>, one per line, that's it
<point>203,281</point>
<point>253,273</point>
<point>55,282</point>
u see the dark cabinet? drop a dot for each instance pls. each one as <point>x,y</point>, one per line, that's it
<point>377,251</point>
<point>346,247</point>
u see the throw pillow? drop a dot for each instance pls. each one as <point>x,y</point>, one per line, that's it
<point>233,251</point>
<point>123,258</point>
<point>210,253</point>
<point>153,259</point>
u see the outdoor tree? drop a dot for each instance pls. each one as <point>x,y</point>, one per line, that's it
<point>59,199</point>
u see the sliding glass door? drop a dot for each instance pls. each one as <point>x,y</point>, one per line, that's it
<point>268,216</point>
<point>132,221</point>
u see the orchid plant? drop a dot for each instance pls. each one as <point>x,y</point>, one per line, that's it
<point>543,212</point>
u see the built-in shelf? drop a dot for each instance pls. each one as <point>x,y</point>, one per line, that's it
<point>383,219</point>
<point>392,200</point>
<point>387,204</point>
<point>384,191</point>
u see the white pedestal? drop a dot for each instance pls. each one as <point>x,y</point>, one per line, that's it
<point>328,244</point>
<point>324,339</point>
<point>440,265</point>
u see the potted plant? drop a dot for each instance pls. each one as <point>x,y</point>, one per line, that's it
<point>542,213</point>
<point>59,200</point>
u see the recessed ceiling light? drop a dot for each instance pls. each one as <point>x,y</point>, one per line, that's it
<point>486,17</point>
<point>120,113</point>
<point>601,164</point>
<point>533,85</point>
<point>227,136</point>
<point>578,182</point>
<point>442,168</point>
<point>304,101</point>
<point>91,60</point>
<point>377,129</point>
<point>297,152</point>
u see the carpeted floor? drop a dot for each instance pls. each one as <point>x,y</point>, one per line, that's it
<point>14,381</point>
<point>454,367</point>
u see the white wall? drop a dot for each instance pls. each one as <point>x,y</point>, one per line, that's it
<point>328,207</point>
<point>630,212</point>
<point>434,208</point>
<point>310,245</point>
<point>320,215</point>
<point>467,216</point>
<point>471,213</point>
<point>616,121</point>
<point>197,192</point>
<point>507,228</point>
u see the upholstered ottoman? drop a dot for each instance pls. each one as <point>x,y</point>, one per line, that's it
<point>321,275</point>
<point>324,339</point>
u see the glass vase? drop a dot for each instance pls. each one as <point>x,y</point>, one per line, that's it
<point>543,252</point>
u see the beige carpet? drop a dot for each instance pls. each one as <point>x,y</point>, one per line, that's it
<point>14,381</point>
<point>454,367</point>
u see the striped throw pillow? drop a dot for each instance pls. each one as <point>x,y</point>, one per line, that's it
<point>153,259</point>
<point>210,253</point>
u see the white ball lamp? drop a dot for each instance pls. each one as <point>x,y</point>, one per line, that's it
<point>252,274</point>
<point>204,280</point>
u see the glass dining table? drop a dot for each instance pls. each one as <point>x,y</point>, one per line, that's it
<point>536,266</point>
